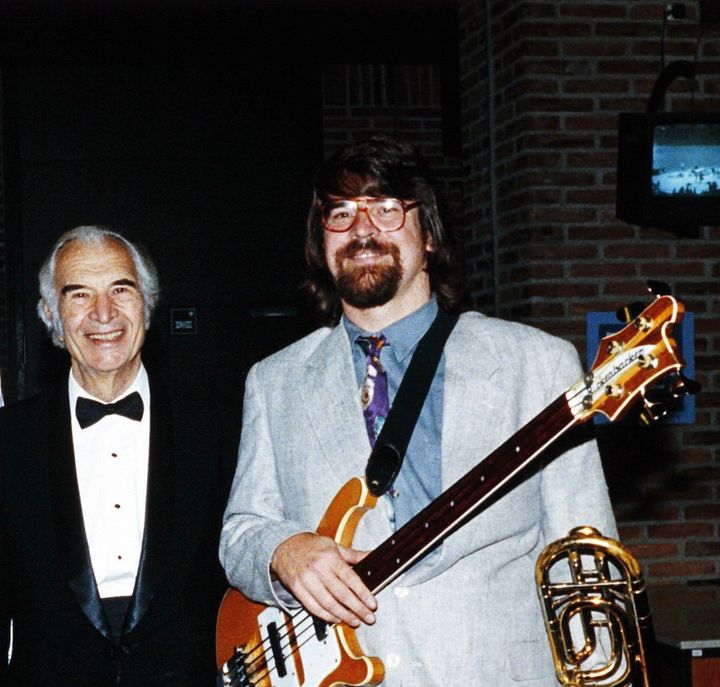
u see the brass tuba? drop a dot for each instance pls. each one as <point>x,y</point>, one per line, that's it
<point>596,611</point>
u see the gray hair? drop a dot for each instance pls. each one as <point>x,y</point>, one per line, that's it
<point>48,307</point>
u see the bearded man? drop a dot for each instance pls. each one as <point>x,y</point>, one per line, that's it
<point>380,270</point>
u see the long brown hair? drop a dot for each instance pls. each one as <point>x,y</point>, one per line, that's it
<point>378,167</point>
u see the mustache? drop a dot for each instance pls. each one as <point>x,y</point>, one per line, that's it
<point>358,245</point>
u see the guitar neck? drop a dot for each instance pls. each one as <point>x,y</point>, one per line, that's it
<point>455,506</point>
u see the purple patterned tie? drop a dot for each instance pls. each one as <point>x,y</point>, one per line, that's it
<point>374,389</point>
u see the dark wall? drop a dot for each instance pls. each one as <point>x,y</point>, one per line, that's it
<point>209,167</point>
<point>195,125</point>
<point>207,159</point>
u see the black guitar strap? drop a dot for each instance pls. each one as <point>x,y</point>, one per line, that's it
<point>386,458</point>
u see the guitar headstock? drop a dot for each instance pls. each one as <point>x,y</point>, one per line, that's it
<point>629,362</point>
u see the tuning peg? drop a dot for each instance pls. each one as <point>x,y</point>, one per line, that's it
<point>652,412</point>
<point>684,386</point>
<point>674,387</point>
<point>628,313</point>
<point>658,288</point>
<point>658,394</point>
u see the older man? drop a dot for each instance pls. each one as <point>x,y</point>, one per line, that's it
<point>111,505</point>
<point>467,613</point>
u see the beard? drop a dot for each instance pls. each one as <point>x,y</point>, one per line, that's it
<point>370,286</point>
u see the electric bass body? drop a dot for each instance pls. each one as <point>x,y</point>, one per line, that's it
<point>263,646</point>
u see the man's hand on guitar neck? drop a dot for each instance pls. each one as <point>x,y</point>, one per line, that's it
<point>317,572</point>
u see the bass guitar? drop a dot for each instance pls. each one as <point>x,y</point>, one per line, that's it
<point>264,646</point>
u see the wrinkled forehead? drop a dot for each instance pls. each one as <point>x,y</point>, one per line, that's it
<point>93,259</point>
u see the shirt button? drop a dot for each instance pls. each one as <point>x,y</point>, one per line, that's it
<point>401,592</point>
<point>392,660</point>
<point>117,505</point>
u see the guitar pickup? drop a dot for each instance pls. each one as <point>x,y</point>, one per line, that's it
<point>276,647</point>
<point>321,631</point>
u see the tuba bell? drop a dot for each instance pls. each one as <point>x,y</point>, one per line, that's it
<point>596,611</point>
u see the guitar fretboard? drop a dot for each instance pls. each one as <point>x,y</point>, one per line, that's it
<point>464,499</point>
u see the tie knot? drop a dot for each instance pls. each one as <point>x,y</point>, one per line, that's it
<point>372,345</point>
<point>88,411</point>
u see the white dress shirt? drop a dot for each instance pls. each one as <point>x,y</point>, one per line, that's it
<point>111,462</point>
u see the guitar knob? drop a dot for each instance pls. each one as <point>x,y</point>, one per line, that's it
<point>614,347</point>
<point>647,360</point>
<point>614,390</point>
<point>643,324</point>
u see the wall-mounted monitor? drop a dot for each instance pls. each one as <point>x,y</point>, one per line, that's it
<point>669,169</point>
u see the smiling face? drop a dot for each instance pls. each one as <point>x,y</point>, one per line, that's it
<point>374,269</point>
<point>101,310</point>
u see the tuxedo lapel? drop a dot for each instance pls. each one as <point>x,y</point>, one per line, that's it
<point>159,511</point>
<point>70,536</point>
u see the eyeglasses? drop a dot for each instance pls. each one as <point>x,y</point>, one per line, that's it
<point>386,214</point>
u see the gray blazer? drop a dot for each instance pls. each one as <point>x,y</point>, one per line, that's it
<point>470,615</point>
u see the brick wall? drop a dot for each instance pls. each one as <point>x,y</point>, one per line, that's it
<point>543,216</point>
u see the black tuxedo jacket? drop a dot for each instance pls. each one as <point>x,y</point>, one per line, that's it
<point>61,634</point>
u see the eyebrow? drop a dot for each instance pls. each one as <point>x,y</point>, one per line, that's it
<point>76,287</point>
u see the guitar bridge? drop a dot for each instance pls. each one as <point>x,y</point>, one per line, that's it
<point>234,670</point>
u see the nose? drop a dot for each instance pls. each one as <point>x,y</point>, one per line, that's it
<point>363,226</point>
<point>103,309</point>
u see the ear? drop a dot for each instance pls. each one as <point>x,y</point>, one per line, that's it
<point>429,244</point>
<point>48,314</point>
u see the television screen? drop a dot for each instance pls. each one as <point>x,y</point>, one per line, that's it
<point>668,170</point>
<point>686,160</point>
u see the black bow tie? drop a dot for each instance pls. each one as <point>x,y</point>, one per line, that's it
<point>88,412</point>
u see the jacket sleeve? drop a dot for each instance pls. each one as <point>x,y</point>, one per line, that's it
<point>573,490</point>
<point>254,522</point>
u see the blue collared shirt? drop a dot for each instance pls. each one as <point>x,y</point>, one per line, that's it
<point>419,481</point>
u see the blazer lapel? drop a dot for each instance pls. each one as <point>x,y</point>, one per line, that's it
<point>333,406</point>
<point>159,510</point>
<point>67,511</point>
<point>335,417</point>
<point>468,392</point>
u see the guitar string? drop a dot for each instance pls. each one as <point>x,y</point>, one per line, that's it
<point>263,652</point>
<point>285,638</point>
